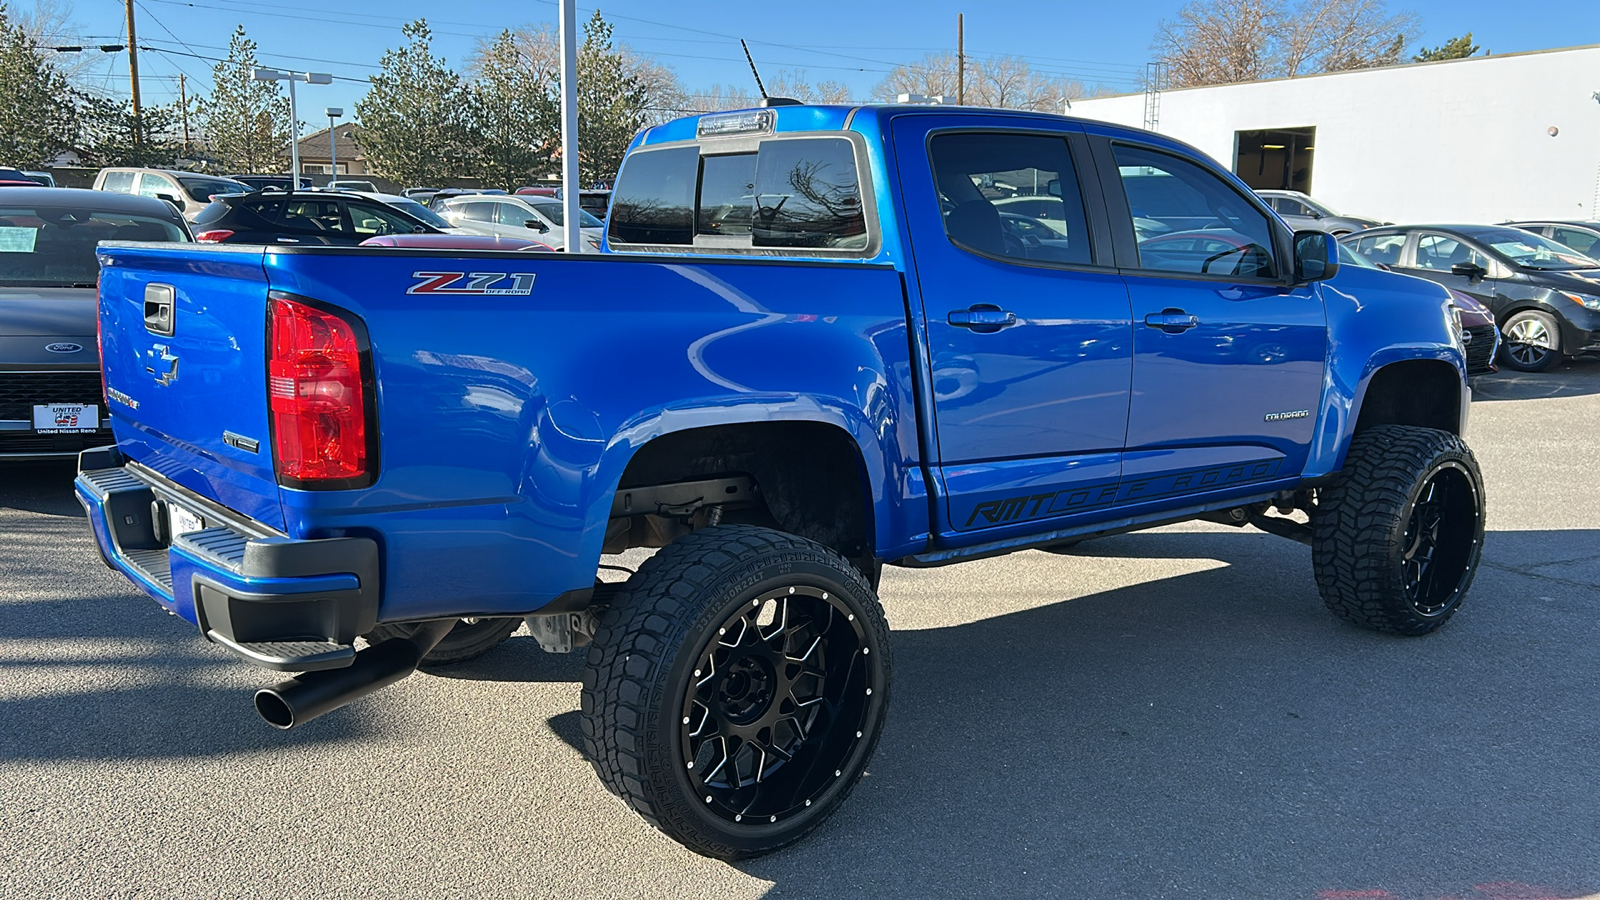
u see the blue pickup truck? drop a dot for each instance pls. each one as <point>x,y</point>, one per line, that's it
<point>820,340</point>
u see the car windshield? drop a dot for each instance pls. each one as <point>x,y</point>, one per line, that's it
<point>417,210</point>
<point>1530,251</point>
<point>201,189</point>
<point>54,246</point>
<point>552,211</point>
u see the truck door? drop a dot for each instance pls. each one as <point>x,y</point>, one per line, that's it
<point>1028,325</point>
<point>1228,355</point>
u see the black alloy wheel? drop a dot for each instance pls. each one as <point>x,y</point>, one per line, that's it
<point>736,688</point>
<point>776,705</point>
<point>1396,538</point>
<point>1438,539</point>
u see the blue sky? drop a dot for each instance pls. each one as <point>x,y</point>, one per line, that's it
<point>853,42</point>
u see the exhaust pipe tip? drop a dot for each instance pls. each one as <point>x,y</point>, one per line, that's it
<point>277,712</point>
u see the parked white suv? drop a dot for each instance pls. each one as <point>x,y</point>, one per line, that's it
<point>190,192</point>
<point>519,217</point>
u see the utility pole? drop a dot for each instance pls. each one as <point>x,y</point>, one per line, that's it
<point>961,59</point>
<point>183,109</point>
<point>133,72</point>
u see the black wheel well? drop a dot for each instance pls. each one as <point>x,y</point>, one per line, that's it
<point>1421,392</point>
<point>810,478</point>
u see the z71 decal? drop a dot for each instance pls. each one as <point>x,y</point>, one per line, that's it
<point>483,284</point>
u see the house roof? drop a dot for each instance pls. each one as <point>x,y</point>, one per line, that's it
<point>315,144</point>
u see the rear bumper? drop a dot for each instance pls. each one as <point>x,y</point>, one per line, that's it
<point>283,604</point>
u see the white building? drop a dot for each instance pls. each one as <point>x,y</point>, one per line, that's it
<point>1477,140</point>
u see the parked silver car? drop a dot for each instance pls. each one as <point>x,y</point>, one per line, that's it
<point>1303,213</point>
<point>50,392</point>
<point>190,192</point>
<point>518,217</point>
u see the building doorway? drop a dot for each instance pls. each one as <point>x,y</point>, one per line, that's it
<point>1275,159</point>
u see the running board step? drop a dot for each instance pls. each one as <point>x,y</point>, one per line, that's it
<point>290,656</point>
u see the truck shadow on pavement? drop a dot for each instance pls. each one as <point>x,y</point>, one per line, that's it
<point>1219,734</point>
<point>1573,378</point>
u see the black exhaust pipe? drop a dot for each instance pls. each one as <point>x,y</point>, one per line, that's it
<point>307,696</point>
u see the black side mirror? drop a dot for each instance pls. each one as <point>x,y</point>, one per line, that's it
<point>536,225</point>
<point>419,229</point>
<point>171,199</point>
<point>1053,187</point>
<point>1316,256</point>
<point>1471,271</point>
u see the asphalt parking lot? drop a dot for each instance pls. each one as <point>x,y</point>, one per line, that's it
<point>1166,714</point>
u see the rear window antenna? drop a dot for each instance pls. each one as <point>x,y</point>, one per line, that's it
<point>753,71</point>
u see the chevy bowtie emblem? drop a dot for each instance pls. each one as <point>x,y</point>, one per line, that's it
<point>164,366</point>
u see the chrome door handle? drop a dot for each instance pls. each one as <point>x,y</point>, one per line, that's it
<point>1172,321</point>
<point>984,318</point>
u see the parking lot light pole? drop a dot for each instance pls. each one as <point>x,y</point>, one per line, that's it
<point>294,112</point>
<point>568,26</point>
<point>333,112</point>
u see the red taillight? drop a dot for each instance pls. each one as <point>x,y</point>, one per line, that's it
<point>319,417</point>
<point>214,236</point>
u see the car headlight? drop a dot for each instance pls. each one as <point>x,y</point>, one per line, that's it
<point>1589,301</point>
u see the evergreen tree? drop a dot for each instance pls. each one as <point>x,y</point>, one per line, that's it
<point>38,120</point>
<point>416,118</point>
<point>107,134</point>
<point>612,103</point>
<point>246,122</point>
<point>1455,48</point>
<point>515,114</point>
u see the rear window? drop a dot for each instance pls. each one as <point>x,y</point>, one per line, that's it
<point>54,246</point>
<point>654,202</point>
<point>792,193</point>
<point>201,189</point>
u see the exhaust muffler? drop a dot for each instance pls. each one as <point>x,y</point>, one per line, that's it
<point>312,694</point>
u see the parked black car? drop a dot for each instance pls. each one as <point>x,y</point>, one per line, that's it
<point>1581,236</point>
<point>50,393</point>
<point>1544,295</point>
<point>303,217</point>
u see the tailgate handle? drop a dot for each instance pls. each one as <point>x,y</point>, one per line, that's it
<point>158,309</point>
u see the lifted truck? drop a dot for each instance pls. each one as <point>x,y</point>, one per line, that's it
<point>822,339</point>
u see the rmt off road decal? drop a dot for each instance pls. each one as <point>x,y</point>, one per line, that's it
<point>486,284</point>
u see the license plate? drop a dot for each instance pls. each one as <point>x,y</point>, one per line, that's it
<point>181,521</point>
<point>66,418</point>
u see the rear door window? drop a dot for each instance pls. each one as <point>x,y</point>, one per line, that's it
<point>369,220</point>
<point>480,211</point>
<point>320,217</point>
<point>1383,249</point>
<point>1011,195</point>
<point>119,182</point>
<point>1439,252</point>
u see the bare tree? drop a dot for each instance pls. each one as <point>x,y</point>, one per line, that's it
<point>1227,41</point>
<point>1218,41</point>
<point>1006,82</point>
<point>1335,35</point>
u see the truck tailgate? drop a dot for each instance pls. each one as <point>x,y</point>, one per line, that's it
<point>183,346</point>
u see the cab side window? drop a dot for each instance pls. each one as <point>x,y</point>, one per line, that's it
<point>370,220</point>
<point>1012,196</point>
<point>1174,201</point>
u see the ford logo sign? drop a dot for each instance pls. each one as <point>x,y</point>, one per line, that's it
<point>63,347</point>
